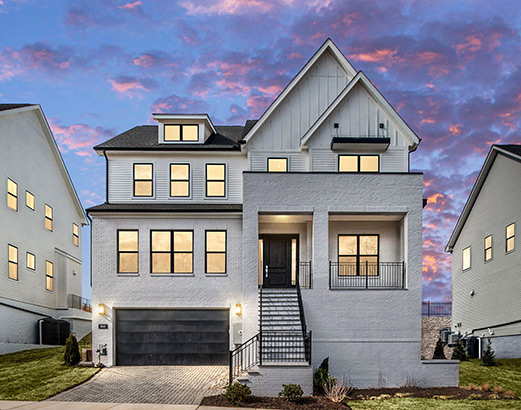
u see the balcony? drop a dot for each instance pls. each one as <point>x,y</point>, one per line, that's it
<point>77,302</point>
<point>367,275</point>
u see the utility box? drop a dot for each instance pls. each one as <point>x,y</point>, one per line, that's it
<point>237,333</point>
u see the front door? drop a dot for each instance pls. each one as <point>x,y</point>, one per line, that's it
<point>278,256</point>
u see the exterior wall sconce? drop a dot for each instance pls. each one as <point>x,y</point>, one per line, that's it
<point>238,309</point>
<point>101,309</point>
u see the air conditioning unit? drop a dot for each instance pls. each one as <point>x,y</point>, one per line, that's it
<point>444,334</point>
<point>453,338</point>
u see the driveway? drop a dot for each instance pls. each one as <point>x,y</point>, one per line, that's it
<point>148,384</point>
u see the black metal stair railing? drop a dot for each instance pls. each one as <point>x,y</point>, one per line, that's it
<point>244,357</point>
<point>366,275</point>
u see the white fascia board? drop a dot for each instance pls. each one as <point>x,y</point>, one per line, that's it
<point>18,110</point>
<point>167,117</point>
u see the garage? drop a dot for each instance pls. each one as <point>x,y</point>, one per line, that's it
<point>186,337</point>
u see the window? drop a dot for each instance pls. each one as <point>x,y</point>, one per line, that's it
<point>171,251</point>
<point>181,132</point>
<point>13,262</point>
<point>48,217</point>
<point>75,235</point>
<point>143,185</point>
<point>277,165</point>
<point>510,237</point>
<point>215,251</point>
<point>488,248</point>
<point>29,200</point>
<point>358,255</point>
<point>358,163</point>
<point>215,180</point>
<point>466,259</point>
<point>128,251</point>
<point>12,194</point>
<point>180,180</point>
<point>49,275</point>
<point>30,261</point>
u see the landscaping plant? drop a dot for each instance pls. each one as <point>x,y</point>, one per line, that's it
<point>72,351</point>
<point>438,351</point>
<point>321,376</point>
<point>291,392</point>
<point>459,352</point>
<point>237,393</point>
<point>488,358</point>
<point>336,391</point>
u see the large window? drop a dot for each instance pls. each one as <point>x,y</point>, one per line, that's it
<point>171,251</point>
<point>49,275</point>
<point>75,235</point>
<point>48,217</point>
<point>181,132</point>
<point>215,251</point>
<point>358,255</point>
<point>510,237</point>
<point>12,194</point>
<point>180,180</point>
<point>488,248</point>
<point>143,177</point>
<point>466,261</point>
<point>277,165</point>
<point>30,261</point>
<point>13,262</point>
<point>128,251</point>
<point>29,200</point>
<point>358,163</point>
<point>215,180</point>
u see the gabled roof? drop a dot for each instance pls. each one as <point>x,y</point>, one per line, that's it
<point>10,106</point>
<point>361,78</point>
<point>511,151</point>
<point>327,46</point>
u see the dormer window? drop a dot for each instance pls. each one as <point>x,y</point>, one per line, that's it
<point>175,132</point>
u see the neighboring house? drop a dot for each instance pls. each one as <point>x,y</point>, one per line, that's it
<point>293,238</point>
<point>486,259</point>
<point>40,234</point>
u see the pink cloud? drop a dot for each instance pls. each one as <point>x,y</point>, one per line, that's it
<point>130,6</point>
<point>130,85</point>
<point>144,60</point>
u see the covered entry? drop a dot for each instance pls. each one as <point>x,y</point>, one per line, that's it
<point>172,337</point>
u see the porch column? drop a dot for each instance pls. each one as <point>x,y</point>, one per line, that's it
<point>320,249</point>
<point>250,238</point>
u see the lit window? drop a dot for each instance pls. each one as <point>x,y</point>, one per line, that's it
<point>348,163</point>
<point>75,235</point>
<point>181,132</point>
<point>128,251</point>
<point>277,165</point>
<point>215,180</point>
<point>49,275</point>
<point>171,251</point>
<point>13,262</point>
<point>369,163</point>
<point>488,248</point>
<point>358,163</point>
<point>12,194</point>
<point>510,237</point>
<point>29,200</point>
<point>143,180</point>
<point>358,255</point>
<point>179,180</point>
<point>30,261</point>
<point>48,217</point>
<point>466,258</point>
<point>215,251</point>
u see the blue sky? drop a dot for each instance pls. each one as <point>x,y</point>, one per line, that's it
<point>451,69</point>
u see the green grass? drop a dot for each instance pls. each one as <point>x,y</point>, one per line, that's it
<point>506,374</point>
<point>39,374</point>
<point>424,404</point>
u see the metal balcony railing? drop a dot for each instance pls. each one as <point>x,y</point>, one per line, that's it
<point>436,308</point>
<point>366,275</point>
<point>305,275</point>
<point>77,302</point>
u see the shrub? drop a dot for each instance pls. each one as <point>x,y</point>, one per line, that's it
<point>321,376</point>
<point>336,391</point>
<point>237,393</point>
<point>72,351</point>
<point>488,358</point>
<point>438,351</point>
<point>459,352</point>
<point>291,392</point>
<point>498,389</point>
<point>484,387</point>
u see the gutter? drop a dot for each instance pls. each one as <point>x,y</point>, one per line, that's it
<point>494,326</point>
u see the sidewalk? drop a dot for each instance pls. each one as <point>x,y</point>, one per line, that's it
<point>60,405</point>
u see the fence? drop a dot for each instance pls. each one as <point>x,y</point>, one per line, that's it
<point>436,308</point>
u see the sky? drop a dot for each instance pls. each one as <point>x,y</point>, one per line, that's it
<point>99,67</point>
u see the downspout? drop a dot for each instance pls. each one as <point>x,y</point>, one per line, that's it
<point>90,245</point>
<point>106,176</point>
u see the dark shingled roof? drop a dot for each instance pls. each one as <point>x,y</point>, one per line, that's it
<point>513,148</point>
<point>10,106</point>
<point>152,207</point>
<point>248,126</point>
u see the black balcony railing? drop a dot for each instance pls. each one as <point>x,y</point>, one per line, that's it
<point>77,302</point>
<point>305,275</point>
<point>436,308</point>
<point>366,275</point>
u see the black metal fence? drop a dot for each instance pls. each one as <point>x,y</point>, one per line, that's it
<point>77,302</point>
<point>436,308</point>
<point>366,275</point>
<point>305,275</point>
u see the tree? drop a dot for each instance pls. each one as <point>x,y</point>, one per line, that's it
<point>438,351</point>
<point>488,358</point>
<point>72,351</point>
<point>459,352</point>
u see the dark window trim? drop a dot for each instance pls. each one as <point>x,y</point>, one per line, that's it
<point>34,199</point>
<point>118,251</point>
<point>172,252</point>
<point>277,172</point>
<point>13,195</point>
<point>491,248</point>
<point>206,251</point>
<point>358,163</point>
<point>507,238</point>
<point>49,276</point>
<point>75,236</point>
<point>134,180</point>
<point>180,180</point>
<point>50,219</point>
<point>181,126</point>
<point>470,258</point>
<point>9,261</point>
<point>215,180</point>
<point>358,255</point>
<point>26,264</point>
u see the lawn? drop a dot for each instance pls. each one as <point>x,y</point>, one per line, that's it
<point>506,374</point>
<point>39,374</point>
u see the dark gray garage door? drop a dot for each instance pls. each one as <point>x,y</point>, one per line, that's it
<point>171,337</point>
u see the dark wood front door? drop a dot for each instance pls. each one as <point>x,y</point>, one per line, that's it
<point>277,260</point>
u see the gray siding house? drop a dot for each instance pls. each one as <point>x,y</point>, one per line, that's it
<point>293,238</point>
<point>486,262</point>
<point>40,231</point>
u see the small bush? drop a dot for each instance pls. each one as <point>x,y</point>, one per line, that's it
<point>459,352</point>
<point>484,387</point>
<point>498,389</point>
<point>321,376</point>
<point>237,393</point>
<point>291,392</point>
<point>72,351</point>
<point>488,358</point>
<point>438,351</point>
<point>509,393</point>
<point>336,391</point>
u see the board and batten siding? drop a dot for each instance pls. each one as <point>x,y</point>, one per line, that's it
<point>120,177</point>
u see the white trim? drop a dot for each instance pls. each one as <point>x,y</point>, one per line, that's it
<point>165,117</point>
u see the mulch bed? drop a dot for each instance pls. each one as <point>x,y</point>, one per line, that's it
<point>307,403</point>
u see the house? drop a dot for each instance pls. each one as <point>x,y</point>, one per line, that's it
<point>486,273</point>
<point>293,238</point>
<point>40,231</point>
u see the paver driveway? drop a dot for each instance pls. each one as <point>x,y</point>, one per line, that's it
<point>148,384</point>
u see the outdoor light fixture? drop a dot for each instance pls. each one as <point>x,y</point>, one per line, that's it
<point>101,309</point>
<point>238,309</point>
